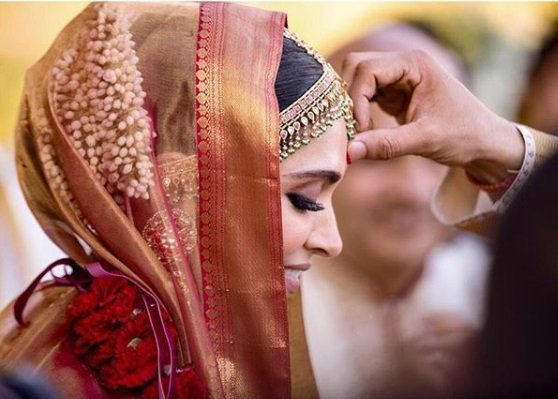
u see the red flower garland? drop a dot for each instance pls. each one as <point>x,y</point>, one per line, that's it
<point>113,336</point>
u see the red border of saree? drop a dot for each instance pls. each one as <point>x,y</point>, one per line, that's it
<point>239,203</point>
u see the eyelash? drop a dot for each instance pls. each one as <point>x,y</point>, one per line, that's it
<point>303,203</point>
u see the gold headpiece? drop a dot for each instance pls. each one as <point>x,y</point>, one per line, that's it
<point>317,109</point>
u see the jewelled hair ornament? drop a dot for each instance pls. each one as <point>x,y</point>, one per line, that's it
<point>311,115</point>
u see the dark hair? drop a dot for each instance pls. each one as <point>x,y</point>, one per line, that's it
<point>519,344</point>
<point>298,71</point>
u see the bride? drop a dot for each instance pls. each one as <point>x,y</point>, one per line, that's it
<point>184,157</point>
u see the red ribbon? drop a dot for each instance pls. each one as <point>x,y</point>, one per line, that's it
<point>77,278</point>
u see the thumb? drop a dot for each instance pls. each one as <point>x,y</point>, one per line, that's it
<point>388,143</point>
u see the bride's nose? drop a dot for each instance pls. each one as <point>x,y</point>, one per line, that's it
<point>324,239</point>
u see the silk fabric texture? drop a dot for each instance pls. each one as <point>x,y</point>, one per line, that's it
<point>208,240</point>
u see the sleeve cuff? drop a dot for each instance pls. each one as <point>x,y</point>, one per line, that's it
<point>459,202</point>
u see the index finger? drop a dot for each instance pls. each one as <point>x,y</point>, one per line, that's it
<point>350,63</point>
<point>363,70</point>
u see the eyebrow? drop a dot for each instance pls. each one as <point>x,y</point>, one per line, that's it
<point>329,175</point>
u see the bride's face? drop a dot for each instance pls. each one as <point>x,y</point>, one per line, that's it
<point>308,179</point>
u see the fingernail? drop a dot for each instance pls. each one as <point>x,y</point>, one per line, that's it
<point>356,150</point>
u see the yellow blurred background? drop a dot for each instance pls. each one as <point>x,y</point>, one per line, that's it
<point>27,29</point>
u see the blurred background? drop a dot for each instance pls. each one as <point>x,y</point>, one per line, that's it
<point>496,40</point>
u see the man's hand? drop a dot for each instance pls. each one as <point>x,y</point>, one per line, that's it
<point>440,119</point>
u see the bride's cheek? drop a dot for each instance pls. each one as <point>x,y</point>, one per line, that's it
<point>294,227</point>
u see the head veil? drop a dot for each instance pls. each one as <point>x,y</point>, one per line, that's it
<point>148,140</point>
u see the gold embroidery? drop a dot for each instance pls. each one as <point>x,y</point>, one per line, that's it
<point>160,236</point>
<point>180,180</point>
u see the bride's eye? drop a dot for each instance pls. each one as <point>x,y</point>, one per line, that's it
<point>303,203</point>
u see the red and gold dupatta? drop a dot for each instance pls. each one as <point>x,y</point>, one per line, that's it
<point>205,236</point>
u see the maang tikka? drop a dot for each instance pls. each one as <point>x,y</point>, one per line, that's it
<point>315,111</point>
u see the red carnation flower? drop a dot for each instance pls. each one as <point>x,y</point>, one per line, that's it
<point>98,326</point>
<point>99,355</point>
<point>134,362</point>
<point>103,293</point>
<point>114,337</point>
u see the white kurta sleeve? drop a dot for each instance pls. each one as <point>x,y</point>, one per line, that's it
<point>459,202</point>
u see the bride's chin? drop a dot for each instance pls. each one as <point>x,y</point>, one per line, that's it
<point>292,281</point>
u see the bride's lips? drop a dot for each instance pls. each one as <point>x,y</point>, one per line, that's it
<point>292,276</point>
